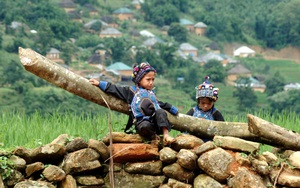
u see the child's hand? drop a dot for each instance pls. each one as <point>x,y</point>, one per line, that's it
<point>94,82</point>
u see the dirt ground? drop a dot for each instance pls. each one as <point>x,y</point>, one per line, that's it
<point>288,53</point>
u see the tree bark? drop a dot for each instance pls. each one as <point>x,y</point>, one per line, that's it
<point>279,136</point>
<point>78,85</point>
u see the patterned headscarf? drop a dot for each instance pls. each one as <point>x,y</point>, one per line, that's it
<point>206,89</point>
<point>140,70</point>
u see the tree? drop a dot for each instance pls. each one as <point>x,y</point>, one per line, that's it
<point>288,101</point>
<point>274,84</point>
<point>178,32</point>
<point>215,70</point>
<point>245,96</point>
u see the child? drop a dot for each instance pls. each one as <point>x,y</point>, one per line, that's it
<point>206,95</point>
<point>146,112</point>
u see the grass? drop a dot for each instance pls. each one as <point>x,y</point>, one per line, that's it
<point>35,130</point>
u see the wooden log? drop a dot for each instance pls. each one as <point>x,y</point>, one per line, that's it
<point>279,136</point>
<point>78,85</point>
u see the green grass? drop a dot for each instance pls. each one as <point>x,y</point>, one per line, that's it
<point>35,130</point>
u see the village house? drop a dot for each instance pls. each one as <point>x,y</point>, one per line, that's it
<point>244,51</point>
<point>54,55</point>
<point>123,14</point>
<point>291,86</point>
<point>75,16</point>
<point>200,28</point>
<point>136,4</point>
<point>110,21</point>
<point>120,71</point>
<point>250,82</point>
<point>67,5</point>
<point>236,72</point>
<point>92,10</point>
<point>188,49</point>
<point>110,32</point>
<point>189,25</point>
<point>90,26</point>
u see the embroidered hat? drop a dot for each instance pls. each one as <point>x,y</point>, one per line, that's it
<point>140,70</point>
<point>206,89</point>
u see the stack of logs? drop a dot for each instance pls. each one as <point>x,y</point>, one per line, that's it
<point>189,162</point>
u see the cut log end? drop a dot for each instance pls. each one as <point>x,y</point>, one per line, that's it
<point>25,55</point>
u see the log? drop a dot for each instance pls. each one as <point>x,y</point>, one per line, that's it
<point>80,86</point>
<point>279,136</point>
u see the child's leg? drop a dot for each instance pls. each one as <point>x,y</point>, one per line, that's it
<point>162,121</point>
<point>146,129</point>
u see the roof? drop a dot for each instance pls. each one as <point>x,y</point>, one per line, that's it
<point>146,33</point>
<point>187,46</point>
<point>213,56</point>
<point>67,4</point>
<point>90,23</point>
<point>152,41</point>
<point>185,22</point>
<point>118,66</point>
<point>123,11</point>
<point>110,31</point>
<point>292,86</point>
<point>53,51</point>
<point>239,69</point>
<point>200,25</point>
<point>243,50</point>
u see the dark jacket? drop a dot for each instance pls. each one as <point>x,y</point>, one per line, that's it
<point>216,115</point>
<point>127,93</point>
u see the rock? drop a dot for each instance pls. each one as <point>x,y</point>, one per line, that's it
<point>205,181</point>
<point>216,163</point>
<point>34,184</point>
<point>54,174</point>
<point>187,159</point>
<point>68,182</point>
<point>179,173</point>
<point>186,141</point>
<point>167,155</point>
<point>76,144</point>
<point>123,153</point>
<point>246,179</point>
<point>100,147</point>
<point>34,167</point>
<point>81,161</point>
<point>147,168</point>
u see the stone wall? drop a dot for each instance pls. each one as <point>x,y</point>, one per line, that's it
<point>189,162</point>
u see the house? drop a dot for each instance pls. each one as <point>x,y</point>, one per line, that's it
<point>110,32</point>
<point>92,10</point>
<point>252,82</point>
<point>150,42</point>
<point>214,56</point>
<point>97,60</point>
<point>136,4</point>
<point>110,21</point>
<point>244,51</point>
<point>146,33</point>
<point>188,49</point>
<point>238,71</point>
<point>75,16</point>
<point>123,14</point>
<point>67,5</point>
<point>291,86</point>
<point>54,55</point>
<point>200,28</point>
<point>189,25</point>
<point>119,70</point>
<point>94,25</point>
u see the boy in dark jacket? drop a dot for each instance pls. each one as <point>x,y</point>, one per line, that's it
<point>206,96</point>
<point>147,113</point>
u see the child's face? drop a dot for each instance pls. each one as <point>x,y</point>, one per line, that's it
<point>147,82</point>
<point>205,103</point>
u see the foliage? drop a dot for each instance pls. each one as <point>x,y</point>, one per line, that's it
<point>178,32</point>
<point>6,167</point>
<point>246,97</point>
<point>215,70</point>
<point>285,101</point>
<point>274,84</point>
